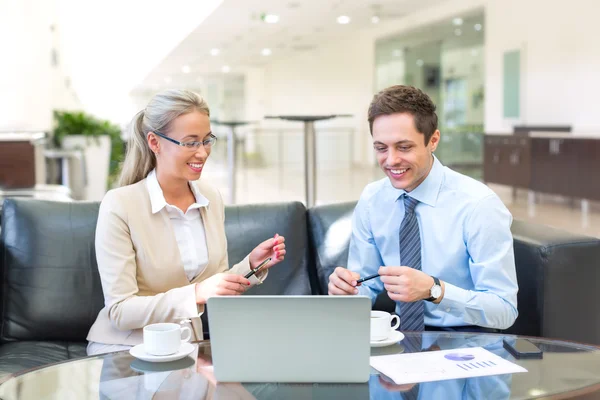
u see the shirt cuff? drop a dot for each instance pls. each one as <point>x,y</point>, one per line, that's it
<point>257,278</point>
<point>364,290</point>
<point>189,308</point>
<point>454,301</point>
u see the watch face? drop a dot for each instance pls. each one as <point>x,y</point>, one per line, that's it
<point>436,291</point>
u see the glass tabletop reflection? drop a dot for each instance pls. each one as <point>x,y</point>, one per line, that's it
<point>567,369</point>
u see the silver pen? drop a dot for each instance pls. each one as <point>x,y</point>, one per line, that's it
<point>257,269</point>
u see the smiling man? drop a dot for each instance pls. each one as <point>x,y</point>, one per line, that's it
<point>439,240</point>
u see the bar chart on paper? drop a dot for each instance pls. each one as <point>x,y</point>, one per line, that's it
<point>441,365</point>
<point>470,364</point>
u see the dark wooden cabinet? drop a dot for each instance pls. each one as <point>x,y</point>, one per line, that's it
<point>587,169</point>
<point>21,160</point>
<point>554,165</point>
<point>507,160</point>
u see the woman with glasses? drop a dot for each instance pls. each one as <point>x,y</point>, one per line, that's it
<point>160,239</point>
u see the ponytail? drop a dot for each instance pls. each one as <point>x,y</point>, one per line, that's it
<point>139,160</point>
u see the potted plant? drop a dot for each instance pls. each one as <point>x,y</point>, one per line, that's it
<point>102,147</point>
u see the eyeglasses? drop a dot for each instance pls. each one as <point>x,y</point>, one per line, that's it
<point>207,143</point>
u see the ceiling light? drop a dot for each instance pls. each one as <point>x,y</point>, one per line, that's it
<point>457,21</point>
<point>457,32</point>
<point>226,69</point>
<point>420,62</point>
<point>478,27</point>
<point>266,52</point>
<point>214,52</point>
<point>168,79</point>
<point>186,69</point>
<point>375,19</point>
<point>343,19</point>
<point>270,18</point>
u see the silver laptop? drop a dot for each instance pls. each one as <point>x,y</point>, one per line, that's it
<point>290,338</point>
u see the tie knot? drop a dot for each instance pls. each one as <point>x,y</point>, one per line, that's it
<point>410,204</point>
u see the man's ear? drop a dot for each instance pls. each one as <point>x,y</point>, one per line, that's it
<point>434,140</point>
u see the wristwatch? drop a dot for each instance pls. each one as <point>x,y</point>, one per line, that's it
<point>436,290</point>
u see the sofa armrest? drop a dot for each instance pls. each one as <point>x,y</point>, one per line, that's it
<point>558,274</point>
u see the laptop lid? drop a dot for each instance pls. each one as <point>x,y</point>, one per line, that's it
<point>290,338</point>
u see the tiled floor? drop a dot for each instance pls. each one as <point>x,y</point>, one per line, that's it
<point>274,184</point>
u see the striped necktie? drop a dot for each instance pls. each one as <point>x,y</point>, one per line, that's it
<point>412,315</point>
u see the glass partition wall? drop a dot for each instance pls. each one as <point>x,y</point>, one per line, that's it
<point>446,61</point>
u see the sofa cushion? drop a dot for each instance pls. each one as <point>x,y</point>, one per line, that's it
<point>248,225</point>
<point>330,230</point>
<point>51,287</point>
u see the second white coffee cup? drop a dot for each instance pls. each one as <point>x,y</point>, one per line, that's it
<point>165,338</point>
<point>381,324</point>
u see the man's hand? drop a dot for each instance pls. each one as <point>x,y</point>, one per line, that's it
<point>343,282</point>
<point>392,387</point>
<point>406,284</point>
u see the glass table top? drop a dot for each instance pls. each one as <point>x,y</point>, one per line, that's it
<point>566,370</point>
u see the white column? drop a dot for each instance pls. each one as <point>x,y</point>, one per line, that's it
<point>26,69</point>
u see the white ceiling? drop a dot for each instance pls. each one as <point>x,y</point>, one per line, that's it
<point>236,28</point>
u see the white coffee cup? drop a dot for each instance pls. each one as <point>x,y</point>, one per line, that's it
<point>381,325</point>
<point>165,338</point>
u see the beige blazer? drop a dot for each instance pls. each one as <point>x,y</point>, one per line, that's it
<point>140,267</point>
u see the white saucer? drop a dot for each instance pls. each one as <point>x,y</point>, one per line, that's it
<point>394,338</point>
<point>138,352</point>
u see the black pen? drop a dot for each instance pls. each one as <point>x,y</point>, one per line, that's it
<point>255,270</point>
<point>366,278</point>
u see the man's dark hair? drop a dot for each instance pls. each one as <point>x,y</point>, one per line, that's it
<point>405,99</point>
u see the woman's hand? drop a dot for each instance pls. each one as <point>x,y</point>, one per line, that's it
<point>221,285</point>
<point>274,248</point>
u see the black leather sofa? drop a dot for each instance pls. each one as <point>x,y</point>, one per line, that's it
<point>51,291</point>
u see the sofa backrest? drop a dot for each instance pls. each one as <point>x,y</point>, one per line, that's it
<point>51,287</point>
<point>248,225</point>
<point>50,283</point>
<point>330,229</point>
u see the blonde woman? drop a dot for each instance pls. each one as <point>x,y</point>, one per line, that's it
<point>160,239</point>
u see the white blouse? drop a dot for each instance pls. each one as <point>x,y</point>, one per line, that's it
<point>188,226</point>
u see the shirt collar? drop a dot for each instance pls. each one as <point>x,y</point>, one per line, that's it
<point>157,198</point>
<point>427,192</point>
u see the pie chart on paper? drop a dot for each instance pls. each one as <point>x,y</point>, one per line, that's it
<point>459,356</point>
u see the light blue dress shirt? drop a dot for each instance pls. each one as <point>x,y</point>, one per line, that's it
<point>465,242</point>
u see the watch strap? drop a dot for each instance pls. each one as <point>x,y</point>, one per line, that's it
<point>436,282</point>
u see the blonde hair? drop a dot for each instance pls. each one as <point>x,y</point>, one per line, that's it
<point>158,115</point>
